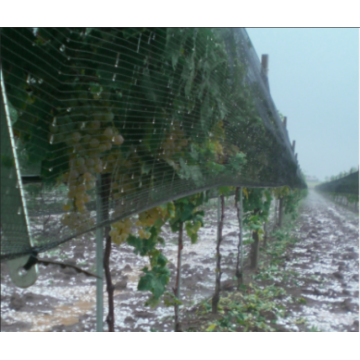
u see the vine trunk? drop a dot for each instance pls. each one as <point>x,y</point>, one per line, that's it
<point>216,296</point>
<point>178,278</point>
<point>105,195</point>
<point>239,260</point>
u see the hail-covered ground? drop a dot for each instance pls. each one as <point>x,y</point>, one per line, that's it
<point>325,259</point>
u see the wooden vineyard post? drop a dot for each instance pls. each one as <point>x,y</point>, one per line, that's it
<point>99,259</point>
<point>105,194</point>
<point>265,63</point>
<point>178,278</point>
<point>216,296</point>
<point>254,253</point>
<point>281,204</point>
<point>265,234</point>
<point>239,259</point>
<point>265,69</point>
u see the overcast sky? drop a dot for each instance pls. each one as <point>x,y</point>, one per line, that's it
<point>314,81</point>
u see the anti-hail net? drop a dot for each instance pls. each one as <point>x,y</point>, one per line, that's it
<point>346,185</point>
<point>122,120</point>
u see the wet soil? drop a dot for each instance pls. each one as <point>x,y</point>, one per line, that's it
<point>323,264</point>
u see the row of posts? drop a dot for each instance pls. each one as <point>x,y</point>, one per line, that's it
<point>265,71</point>
<point>100,246</point>
<point>99,230</point>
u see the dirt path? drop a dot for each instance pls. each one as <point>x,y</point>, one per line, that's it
<point>325,258</point>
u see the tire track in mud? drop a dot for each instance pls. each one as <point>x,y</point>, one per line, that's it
<point>327,260</point>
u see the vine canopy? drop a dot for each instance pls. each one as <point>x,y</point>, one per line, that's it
<point>161,113</point>
<point>347,185</point>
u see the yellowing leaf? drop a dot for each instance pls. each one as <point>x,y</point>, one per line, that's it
<point>246,193</point>
<point>211,327</point>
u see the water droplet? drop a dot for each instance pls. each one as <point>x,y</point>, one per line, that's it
<point>135,81</point>
<point>140,184</point>
<point>122,190</point>
<point>19,210</point>
<point>68,109</point>
<point>154,131</point>
<point>59,72</point>
<point>62,48</point>
<point>40,81</point>
<point>10,175</point>
<point>135,150</point>
<point>22,272</point>
<point>138,47</point>
<point>51,141</point>
<point>132,176</point>
<point>68,40</point>
<point>153,121</point>
<point>192,126</point>
<point>83,124</point>
<point>114,77</point>
<point>54,121</point>
<point>51,169</point>
<point>69,58</point>
<point>117,60</point>
<point>140,141</point>
<point>17,185</point>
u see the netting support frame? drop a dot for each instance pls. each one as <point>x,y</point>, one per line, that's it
<point>20,277</point>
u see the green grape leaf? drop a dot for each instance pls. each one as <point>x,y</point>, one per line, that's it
<point>7,161</point>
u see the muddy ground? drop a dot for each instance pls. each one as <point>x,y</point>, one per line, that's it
<point>322,292</point>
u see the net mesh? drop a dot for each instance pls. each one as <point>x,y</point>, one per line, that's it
<point>135,117</point>
<point>346,185</point>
